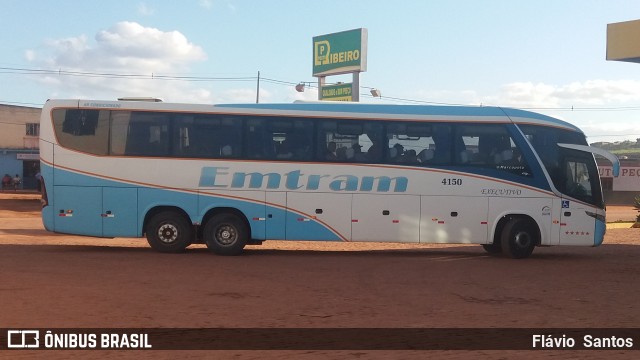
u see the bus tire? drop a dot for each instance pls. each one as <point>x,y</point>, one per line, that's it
<point>226,234</point>
<point>492,248</point>
<point>519,237</point>
<point>169,232</point>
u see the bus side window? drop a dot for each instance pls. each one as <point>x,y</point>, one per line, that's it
<point>80,122</point>
<point>83,130</point>
<point>259,143</point>
<point>299,140</point>
<point>407,140</point>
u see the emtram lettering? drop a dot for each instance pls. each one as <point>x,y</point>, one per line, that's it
<point>220,177</point>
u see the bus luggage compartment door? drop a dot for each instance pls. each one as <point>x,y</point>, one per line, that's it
<point>454,219</point>
<point>119,212</point>
<point>393,218</point>
<point>78,209</point>
<point>318,216</point>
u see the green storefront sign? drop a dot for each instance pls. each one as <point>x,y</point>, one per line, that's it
<point>340,53</point>
<point>340,92</point>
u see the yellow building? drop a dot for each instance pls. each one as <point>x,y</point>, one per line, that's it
<point>623,41</point>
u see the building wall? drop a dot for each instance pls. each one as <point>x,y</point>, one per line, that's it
<point>19,154</point>
<point>623,189</point>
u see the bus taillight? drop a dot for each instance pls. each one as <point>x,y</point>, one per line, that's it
<point>44,200</point>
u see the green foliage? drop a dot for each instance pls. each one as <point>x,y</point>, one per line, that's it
<point>621,148</point>
<point>636,204</point>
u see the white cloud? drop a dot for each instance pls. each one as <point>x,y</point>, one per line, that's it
<point>599,106</point>
<point>124,48</point>
<point>131,44</point>
<point>589,93</point>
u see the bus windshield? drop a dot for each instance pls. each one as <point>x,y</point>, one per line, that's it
<point>573,173</point>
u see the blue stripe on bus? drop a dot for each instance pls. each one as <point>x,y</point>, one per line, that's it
<point>86,210</point>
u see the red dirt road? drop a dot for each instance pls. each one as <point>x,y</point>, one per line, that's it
<point>58,281</point>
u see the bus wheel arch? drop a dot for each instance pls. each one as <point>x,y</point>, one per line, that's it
<point>226,231</point>
<point>168,229</point>
<point>517,235</point>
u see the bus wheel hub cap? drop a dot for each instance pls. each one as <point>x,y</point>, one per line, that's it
<point>168,233</point>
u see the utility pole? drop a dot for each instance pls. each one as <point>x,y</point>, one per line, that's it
<point>258,89</point>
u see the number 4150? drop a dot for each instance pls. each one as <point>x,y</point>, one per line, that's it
<point>452,181</point>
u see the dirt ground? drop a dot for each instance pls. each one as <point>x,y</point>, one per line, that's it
<point>58,281</point>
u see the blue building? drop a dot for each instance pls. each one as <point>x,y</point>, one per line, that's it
<point>19,147</point>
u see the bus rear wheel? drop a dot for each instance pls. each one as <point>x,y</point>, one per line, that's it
<point>519,237</point>
<point>226,234</point>
<point>169,232</point>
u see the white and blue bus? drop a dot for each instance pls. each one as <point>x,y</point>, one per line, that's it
<point>232,175</point>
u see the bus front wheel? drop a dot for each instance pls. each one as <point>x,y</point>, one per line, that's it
<point>226,234</point>
<point>169,232</point>
<point>519,237</point>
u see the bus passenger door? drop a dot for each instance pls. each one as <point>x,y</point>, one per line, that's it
<point>576,227</point>
<point>318,216</point>
<point>454,219</point>
<point>119,212</point>
<point>77,210</point>
<point>393,218</point>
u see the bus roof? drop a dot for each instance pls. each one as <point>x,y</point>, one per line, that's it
<point>515,115</point>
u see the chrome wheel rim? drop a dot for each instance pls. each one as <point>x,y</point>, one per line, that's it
<point>226,235</point>
<point>168,233</point>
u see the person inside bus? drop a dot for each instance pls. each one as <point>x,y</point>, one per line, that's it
<point>358,155</point>
<point>341,153</point>
<point>350,153</point>
<point>409,157</point>
<point>425,156</point>
<point>487,151</point>
<point>331,151</point>
<point>395,153</point>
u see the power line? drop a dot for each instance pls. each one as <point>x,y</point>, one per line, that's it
<point>152,76</point>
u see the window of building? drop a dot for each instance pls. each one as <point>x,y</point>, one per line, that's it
<point>33,129</point>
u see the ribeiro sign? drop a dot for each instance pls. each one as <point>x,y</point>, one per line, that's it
<point>340,53</point>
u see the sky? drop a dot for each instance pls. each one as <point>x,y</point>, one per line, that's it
<point>546,56</point>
